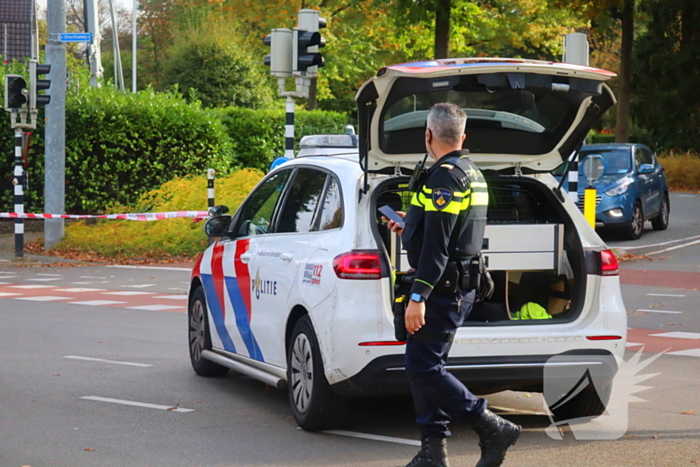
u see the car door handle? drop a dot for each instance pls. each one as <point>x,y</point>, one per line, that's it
<point>286,257</point>
<point>245,257</point>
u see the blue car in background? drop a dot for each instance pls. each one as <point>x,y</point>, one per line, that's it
<point>631,191</point>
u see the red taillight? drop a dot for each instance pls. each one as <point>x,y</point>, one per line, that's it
<point>603,338</point>
<point>381,343</point>
<point>358,265</point>
<point>608,264</point>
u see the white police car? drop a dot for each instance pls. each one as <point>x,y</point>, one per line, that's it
<point>297,291</point>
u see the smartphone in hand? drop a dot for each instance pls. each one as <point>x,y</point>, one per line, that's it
<point>390,214</point>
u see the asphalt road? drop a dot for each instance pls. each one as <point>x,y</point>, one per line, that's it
<point>95,372</point>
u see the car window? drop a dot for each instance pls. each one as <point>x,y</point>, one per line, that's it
<point>642,156</point>
<point>332,213</point>
<point>617,161</point>
<point>298,211</point>
<point>257,212</point>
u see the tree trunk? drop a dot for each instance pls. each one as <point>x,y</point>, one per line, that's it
<point>622,128</point>
<point>687,24</point>
<point>442,28</point>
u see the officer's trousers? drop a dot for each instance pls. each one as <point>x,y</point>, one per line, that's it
<point>437,395</point>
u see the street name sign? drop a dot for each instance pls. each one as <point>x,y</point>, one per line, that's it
<point>75,37</point>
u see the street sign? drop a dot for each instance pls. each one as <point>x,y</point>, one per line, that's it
<point>75,37</point>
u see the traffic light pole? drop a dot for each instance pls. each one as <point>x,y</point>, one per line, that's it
<point>18,182</point>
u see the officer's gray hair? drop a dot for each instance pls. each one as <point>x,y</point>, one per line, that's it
<point>447,122</point>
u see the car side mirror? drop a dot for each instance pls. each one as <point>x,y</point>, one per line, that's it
<point>218,210</point>
<point>217,226</point>
<point>646,168</point>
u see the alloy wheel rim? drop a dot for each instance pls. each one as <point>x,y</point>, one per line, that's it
<point>664,212</point>
<point>302,373</point>
<point>637,222</point>
<point>197,330</point>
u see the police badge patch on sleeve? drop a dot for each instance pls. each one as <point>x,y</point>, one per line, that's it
<point>441,198</point>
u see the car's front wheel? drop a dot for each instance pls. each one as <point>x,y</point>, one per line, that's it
<point>660,222</point>
<point>314,404</point>
<point>633,230</point>
<point>199,337</point>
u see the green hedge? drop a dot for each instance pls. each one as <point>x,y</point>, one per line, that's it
<point>258,135</point>
<point>119,146</point>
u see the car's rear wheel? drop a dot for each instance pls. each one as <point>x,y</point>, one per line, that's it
<point>199,337</point>
<point>660,222</point>
<point>587,403</point>
<point>314,403</point>
<point>633,230</point>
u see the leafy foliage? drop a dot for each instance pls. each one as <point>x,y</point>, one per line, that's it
<point>219,68</point>
<point>159,239</point>
<point>258,135</point>
<point>667,65</point>
<point>119,146</point>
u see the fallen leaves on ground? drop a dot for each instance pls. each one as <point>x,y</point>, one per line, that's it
<point>88,449</point>
<point>689,412</point>
<point>625,256</point>
<point>78,256</point>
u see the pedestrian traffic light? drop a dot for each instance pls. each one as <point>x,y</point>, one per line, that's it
<point>36,84</point>
<point>15,92</point>
<point>280,57</point>
<point>307,40</point>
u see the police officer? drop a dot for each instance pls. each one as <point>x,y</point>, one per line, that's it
<point>444,230</point>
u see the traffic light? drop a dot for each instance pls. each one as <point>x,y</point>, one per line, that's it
<point>15,92</point>
<point>306,41</point>
<point>36,84</point>
<point>280,58</point>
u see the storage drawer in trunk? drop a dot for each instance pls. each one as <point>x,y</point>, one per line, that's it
<point>524,247</point>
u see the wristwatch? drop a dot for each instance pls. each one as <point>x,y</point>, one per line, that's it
<point>416,297</point>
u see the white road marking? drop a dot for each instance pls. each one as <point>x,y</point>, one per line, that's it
<point>686,196</point>
<point>8,294</point>
<point>632,344</point>
<point>664,295</point>
<point>116,362</point>
<point>93,277</point>
<point>651,245</point>
<point>4,276</point>
<point>32,286</point>
<point>141,286</point>
<point>645,310</point>
<point>137,404</point>
<point>97,303</point>
<point>52,275</point>
<point>78,289</point>
<point>45,298</point>
<point>387,439</point>
<point>82,283</point>
<point>155,307</point>
<point>45,279</point>
<point>5,283</point>
<point>162,268</point>
<point>174,297</point>
<point>686,353</point>
<point>673,248</point>
<point>127,292</point>
<point>679,335</point>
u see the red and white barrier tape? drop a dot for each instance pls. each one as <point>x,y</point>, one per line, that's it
<point>149,216</point>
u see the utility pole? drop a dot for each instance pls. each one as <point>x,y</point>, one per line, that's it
<point>55,158</point>
<point>92,25</point>
<point>134,39</point>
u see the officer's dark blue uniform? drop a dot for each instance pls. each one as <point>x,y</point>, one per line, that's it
<point>445,223</point>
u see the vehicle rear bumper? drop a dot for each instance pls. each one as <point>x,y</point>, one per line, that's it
<point>386,375</point>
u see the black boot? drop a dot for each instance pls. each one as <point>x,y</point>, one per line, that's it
<point>433,453</point>
<point>496,435</point>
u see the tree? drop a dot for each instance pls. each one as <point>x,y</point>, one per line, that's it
<point>667,63</point>
<point>218,69</point>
